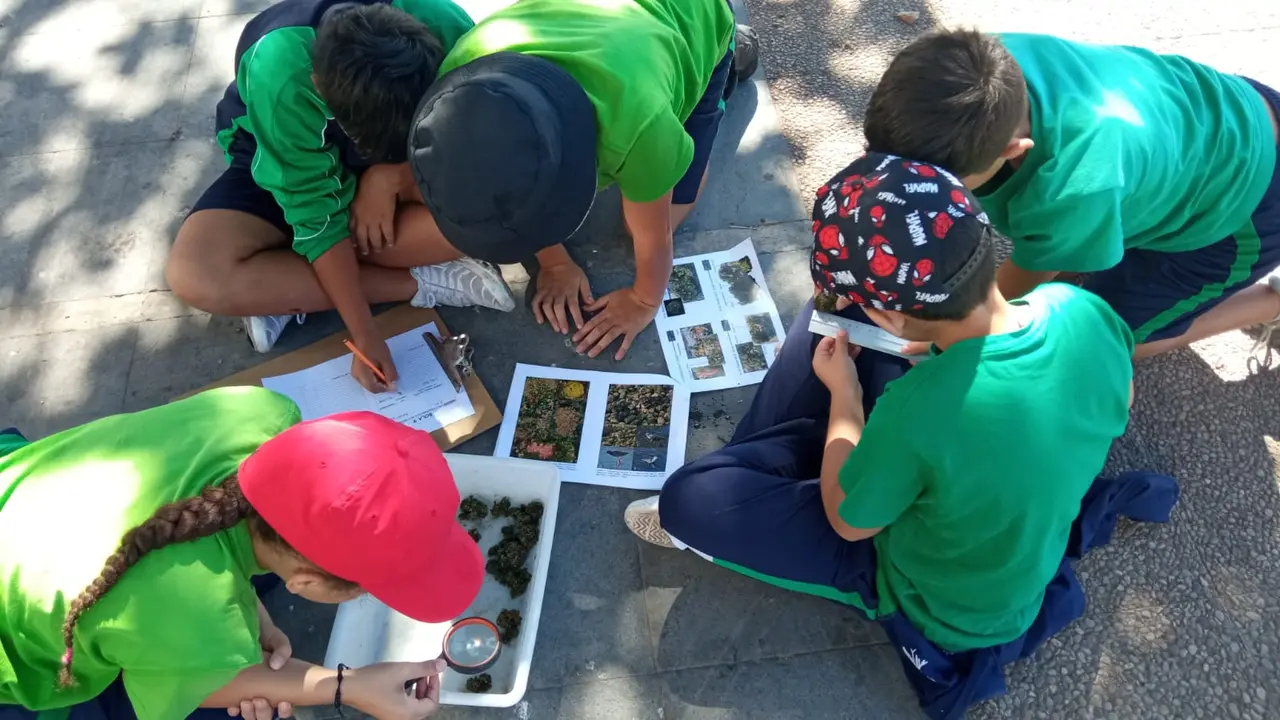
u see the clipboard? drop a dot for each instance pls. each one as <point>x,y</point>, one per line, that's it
<point>389,324</point>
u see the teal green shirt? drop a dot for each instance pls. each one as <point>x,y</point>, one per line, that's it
<point>643,63</point>
<point>1132,150</point>
<point>274,100</point>
<point>975,463</point>
<point>183,621</point>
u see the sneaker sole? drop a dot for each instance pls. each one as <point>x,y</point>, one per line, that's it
<point>646,526</point>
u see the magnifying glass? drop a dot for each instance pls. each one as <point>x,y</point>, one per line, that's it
<point>471,646</point>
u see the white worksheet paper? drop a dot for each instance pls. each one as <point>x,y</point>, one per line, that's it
<point>576,411</point>
<point>424,397</point>
<point>715,333</point>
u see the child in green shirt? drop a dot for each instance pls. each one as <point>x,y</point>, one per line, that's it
<point>547,101</point>
<point>1152,175</point>
<point>128,548</point>
<point>316,209</point>
<point>940,499</point>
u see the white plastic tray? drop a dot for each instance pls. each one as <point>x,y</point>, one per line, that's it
<point>365,631</point>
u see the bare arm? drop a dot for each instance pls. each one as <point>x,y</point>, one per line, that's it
<point>1015,282</point>
<point>553,255</point>
<point>299,683</point>
<point>844,431</point>
<point>650,226</point>
<point>339,275</point>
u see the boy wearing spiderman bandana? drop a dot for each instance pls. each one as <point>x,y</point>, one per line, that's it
<point>884,486</point>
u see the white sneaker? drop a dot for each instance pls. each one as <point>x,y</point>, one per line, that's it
<point>1263,343</point>
<point>641,517</point>
<point>462,283</point>
<point>264,330</point>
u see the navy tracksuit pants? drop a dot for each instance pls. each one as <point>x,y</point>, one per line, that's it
<point>755,506</point>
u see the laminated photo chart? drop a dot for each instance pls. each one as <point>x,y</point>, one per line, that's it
<point>718,325</point>
<point>618,429</point>
<point>424,397</point>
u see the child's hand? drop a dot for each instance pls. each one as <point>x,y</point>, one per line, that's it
<point>621,313</point>
<point>559,285</point>
<point>260,709</point>
<point>379,690</point>
<point>379,354</point>
<point>833,364</point>
<point>373,211</point>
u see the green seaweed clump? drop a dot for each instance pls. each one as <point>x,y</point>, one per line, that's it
<point>507,558</point>
<point>502,508</point>
<point>473,508</point>
<point>509,625</point>
<point>481,683</point>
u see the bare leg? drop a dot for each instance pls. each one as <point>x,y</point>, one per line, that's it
<point>1251,306</point>
<point>418,241</point>
<point>228,262</point>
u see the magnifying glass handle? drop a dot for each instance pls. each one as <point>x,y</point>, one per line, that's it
<point>418,688</point>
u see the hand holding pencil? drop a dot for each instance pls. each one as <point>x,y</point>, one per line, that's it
<point>371,365</point>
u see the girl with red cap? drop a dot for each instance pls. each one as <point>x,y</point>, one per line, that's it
<point>129,547</point>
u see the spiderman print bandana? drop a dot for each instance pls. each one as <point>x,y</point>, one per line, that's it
<point>886,230</point>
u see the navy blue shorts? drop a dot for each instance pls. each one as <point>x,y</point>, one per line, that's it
<point>235,189</point>
<point>702,126</point>
<point>1159,294</point>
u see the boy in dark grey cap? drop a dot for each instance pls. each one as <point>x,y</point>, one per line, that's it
<point>547,101</point>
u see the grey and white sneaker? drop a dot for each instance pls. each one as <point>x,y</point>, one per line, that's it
<point>264,330</point>
<point>1263,343</point>
<point>641,517</point>
<point>462,283</point>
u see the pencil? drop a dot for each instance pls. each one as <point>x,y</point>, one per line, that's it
<point>360,356</point>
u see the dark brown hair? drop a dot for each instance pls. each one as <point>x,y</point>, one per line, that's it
<point>373,64</point>
<point>952,98</point>
<point>216,508</point>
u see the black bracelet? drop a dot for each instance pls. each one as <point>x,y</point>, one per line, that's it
<point>337,693</point>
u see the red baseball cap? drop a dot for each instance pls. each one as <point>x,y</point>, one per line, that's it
<point>373,502</point>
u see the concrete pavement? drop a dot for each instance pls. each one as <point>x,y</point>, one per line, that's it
<point>107,140</point>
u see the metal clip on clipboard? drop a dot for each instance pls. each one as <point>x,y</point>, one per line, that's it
<point>454,355</point>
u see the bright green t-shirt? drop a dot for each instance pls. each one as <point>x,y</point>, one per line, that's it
<point>1132,150</point>
<point>275,100</point>
<point>643,63</point>
<point>976,461</point>
<point>183,621</point>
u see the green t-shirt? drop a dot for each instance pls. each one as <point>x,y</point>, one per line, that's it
<point>183,621</point>
<point>643,63</point>
<point>1132,150</point>
<point>274,100</point>
<point>976,461</point>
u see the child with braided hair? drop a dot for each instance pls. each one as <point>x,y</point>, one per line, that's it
<point>129,549</point>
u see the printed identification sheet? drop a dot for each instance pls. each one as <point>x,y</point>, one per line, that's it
<point>424,398</point>
<point>718,325</point>
<point>618,429</point>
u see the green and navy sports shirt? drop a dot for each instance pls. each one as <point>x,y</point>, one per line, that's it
<point>273,120</point>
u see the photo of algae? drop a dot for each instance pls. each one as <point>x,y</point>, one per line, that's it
<point>737,275</point>
<point>549,426</point>
<point>761,328</point>
<point>752,358</point>
<point>684,283</point>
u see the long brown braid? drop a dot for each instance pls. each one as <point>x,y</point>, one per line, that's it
<point>215,509</point>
